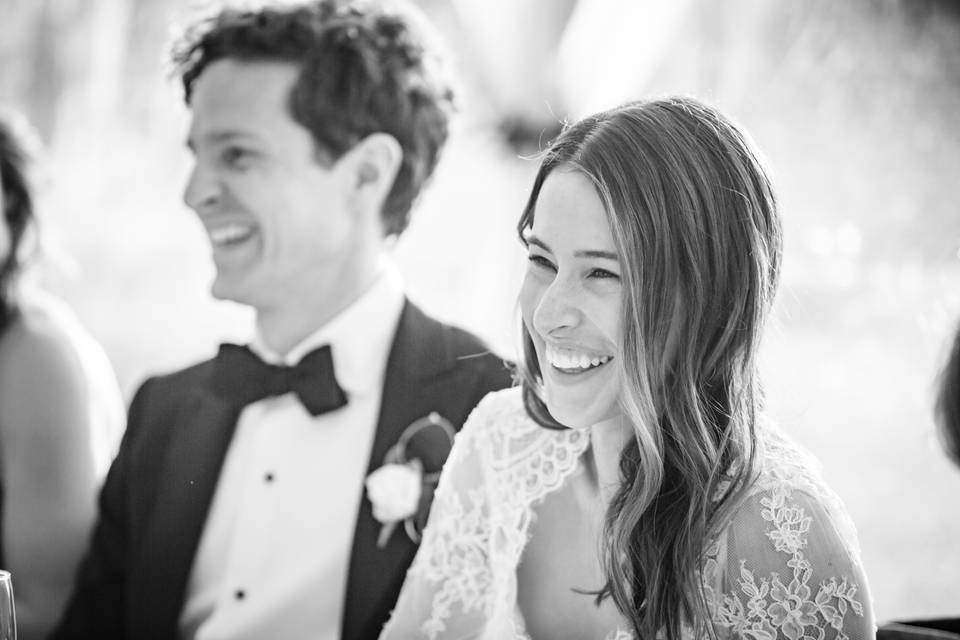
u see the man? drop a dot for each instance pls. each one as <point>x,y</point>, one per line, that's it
<point>232,511</point>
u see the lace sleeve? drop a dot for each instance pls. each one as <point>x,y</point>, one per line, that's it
<point>790,568</point>
<point>446,595</point>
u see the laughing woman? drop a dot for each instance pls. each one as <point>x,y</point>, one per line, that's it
<point>632,487</point>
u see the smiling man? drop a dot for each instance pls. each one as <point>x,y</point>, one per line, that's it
<point>235,508</point>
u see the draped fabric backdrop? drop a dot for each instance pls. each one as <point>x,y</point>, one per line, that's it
<point>856,104</point>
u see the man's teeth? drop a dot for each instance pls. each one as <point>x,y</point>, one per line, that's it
<point>230,233</point>
<point>567,359</point>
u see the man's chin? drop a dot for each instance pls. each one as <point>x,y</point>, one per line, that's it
<point>230,290</point>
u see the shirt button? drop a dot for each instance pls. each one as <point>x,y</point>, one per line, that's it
<point>239,594</point>
<point>268,477</point>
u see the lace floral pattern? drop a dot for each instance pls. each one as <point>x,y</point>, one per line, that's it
<point>506,464</point>
<point>763,578</point>
<point>467,576</point>
<point>776,608</point>
<point>789,603</point>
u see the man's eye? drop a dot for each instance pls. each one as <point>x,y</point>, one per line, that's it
<point>236,156</point>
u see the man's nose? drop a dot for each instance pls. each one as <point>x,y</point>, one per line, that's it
<point>202,190</point>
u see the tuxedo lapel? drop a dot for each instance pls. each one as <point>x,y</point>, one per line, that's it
<point>412,386</point>
<point>186,483</point>
<point>412,376</point>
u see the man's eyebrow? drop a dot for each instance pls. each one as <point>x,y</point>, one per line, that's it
<point>220,136</point>
<point>580,253</point>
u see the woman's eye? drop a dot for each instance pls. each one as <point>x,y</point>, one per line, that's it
<point>541,261</point>
<point>603,274</point>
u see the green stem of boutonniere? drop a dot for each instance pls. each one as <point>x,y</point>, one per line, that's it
<point>385,532</point>
<point>397,454</point>
<point>388,527</point>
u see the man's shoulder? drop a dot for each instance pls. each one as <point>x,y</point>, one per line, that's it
<point>169,389</point>
<point>463,348</point>
<point>466,344</point>
<point>188,375</point>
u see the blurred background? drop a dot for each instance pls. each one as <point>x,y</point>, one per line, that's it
<point>856,105</point>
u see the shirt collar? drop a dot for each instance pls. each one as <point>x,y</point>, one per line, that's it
<point>360,336</point>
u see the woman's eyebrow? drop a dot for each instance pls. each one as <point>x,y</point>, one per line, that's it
<point>596,253</point>
<point>580,253</point>
<point>537,242</point>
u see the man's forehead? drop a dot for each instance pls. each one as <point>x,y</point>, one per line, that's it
<point>234,100</point>
<point>230,86</point>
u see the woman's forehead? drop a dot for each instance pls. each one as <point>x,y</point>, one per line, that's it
<point>568,208</point>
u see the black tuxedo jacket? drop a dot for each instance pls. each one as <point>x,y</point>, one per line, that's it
<point>132,582</point>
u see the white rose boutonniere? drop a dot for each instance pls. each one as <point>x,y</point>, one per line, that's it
<point>402,489</point>
<point>394,491</point>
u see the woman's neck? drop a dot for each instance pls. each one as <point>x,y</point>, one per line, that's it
<point>607,440</point>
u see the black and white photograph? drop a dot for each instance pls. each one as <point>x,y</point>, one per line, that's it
<point>479,320</point>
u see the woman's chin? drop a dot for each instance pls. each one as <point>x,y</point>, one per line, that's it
<point>582,417</point>
<point>574,417</point>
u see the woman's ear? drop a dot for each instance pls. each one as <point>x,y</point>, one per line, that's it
<point>372,166</point>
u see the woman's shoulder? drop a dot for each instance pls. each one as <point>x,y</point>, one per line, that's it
<point>785,465</point>
<point>39,339</point>
<point>790,494</point>
<point>503,402</point>
<point>501,418</point>
<point>788,548</point>
<point>527,458</point>
<point>46,353</point>
<point>499,412</point>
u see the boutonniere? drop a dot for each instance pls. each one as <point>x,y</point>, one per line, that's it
<point>402,489</point>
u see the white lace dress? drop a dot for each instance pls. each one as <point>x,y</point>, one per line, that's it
<point>787,566</point>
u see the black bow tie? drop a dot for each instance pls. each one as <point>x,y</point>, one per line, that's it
<point>239,375</point>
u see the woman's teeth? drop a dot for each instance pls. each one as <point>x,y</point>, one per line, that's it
<point>568,359</point>
<point>230,234</point>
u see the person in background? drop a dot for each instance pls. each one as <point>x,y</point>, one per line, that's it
<point>61,412</point>
<point>946,414</point>
<point>947,405</point>
<point>633,486</point>
<point>236,507</point>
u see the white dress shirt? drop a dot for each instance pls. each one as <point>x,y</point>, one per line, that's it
<point>273,558</point>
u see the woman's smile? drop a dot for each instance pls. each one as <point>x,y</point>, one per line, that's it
<point>574,361</point>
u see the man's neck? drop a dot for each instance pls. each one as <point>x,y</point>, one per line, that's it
<point>283,326</point>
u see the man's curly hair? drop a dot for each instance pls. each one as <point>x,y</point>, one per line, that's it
<point>364,68</point>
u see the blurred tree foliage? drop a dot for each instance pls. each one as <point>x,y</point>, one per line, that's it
<point>863,98</point>
<point>82,68</point>
<point>857,104</point>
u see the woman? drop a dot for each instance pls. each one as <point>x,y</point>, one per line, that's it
<point>631,487</point>
<point>60,414</point>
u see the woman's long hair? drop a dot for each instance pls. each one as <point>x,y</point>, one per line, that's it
<point>696,226</point>
<point>17,145</point>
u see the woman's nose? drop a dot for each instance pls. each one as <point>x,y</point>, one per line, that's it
<point>557,309</point>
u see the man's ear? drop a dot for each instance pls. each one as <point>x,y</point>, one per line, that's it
<point>372,166</point>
